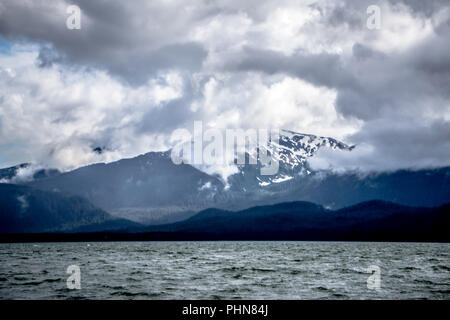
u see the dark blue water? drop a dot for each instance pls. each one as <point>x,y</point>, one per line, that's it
<point>225,270</point>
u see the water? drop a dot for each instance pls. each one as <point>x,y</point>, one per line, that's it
<point>225,270</point>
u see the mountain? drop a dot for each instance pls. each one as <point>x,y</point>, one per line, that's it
<point>427,187</point>
<point>372,220</point>
<point>7,174</point>
<point>15,174</point>
<point>151,189</point>
<point>293,151</point>
<point>368,221</point>
<point>297,181</point>
<point>24,209</point>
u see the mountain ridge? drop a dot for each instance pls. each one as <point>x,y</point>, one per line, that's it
<point>25,209</point>
<point>297,220</point>
<point>151,189</point>
<point>308,221</point>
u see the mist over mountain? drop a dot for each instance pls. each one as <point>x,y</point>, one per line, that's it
<point>25,172</point>
<point>151,189</point>
<point>6,174</point>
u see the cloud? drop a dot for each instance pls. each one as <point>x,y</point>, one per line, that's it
<point>58,115</point>
<point>138,70</point>
<point>394,145</point>
<point>131,40</point>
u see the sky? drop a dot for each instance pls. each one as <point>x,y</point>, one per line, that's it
<point>138,70</point>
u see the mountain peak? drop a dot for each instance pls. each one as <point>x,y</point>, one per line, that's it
<point>294,148</point>
<point>292,152</point>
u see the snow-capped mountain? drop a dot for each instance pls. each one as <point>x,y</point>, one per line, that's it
<point>294,148</point>
<point>152,189</point>
<point>292,152</point>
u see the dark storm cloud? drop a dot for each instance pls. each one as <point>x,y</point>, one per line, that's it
<point>48,56</point>
<point>398,97</point>
<point>137,68</point>
<point>131,40</point>
<point>406,146</point>
<point>369,82</point>
<point>398,82</point>
<point>426,8</point>
<point>349,11</point>
<point>342,15</point>
<point>320,69</point>
<point>171,115</point>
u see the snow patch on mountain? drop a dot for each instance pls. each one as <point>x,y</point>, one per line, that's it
<point>281,179</point>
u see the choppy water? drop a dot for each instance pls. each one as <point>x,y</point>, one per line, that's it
<point>225,270</point>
